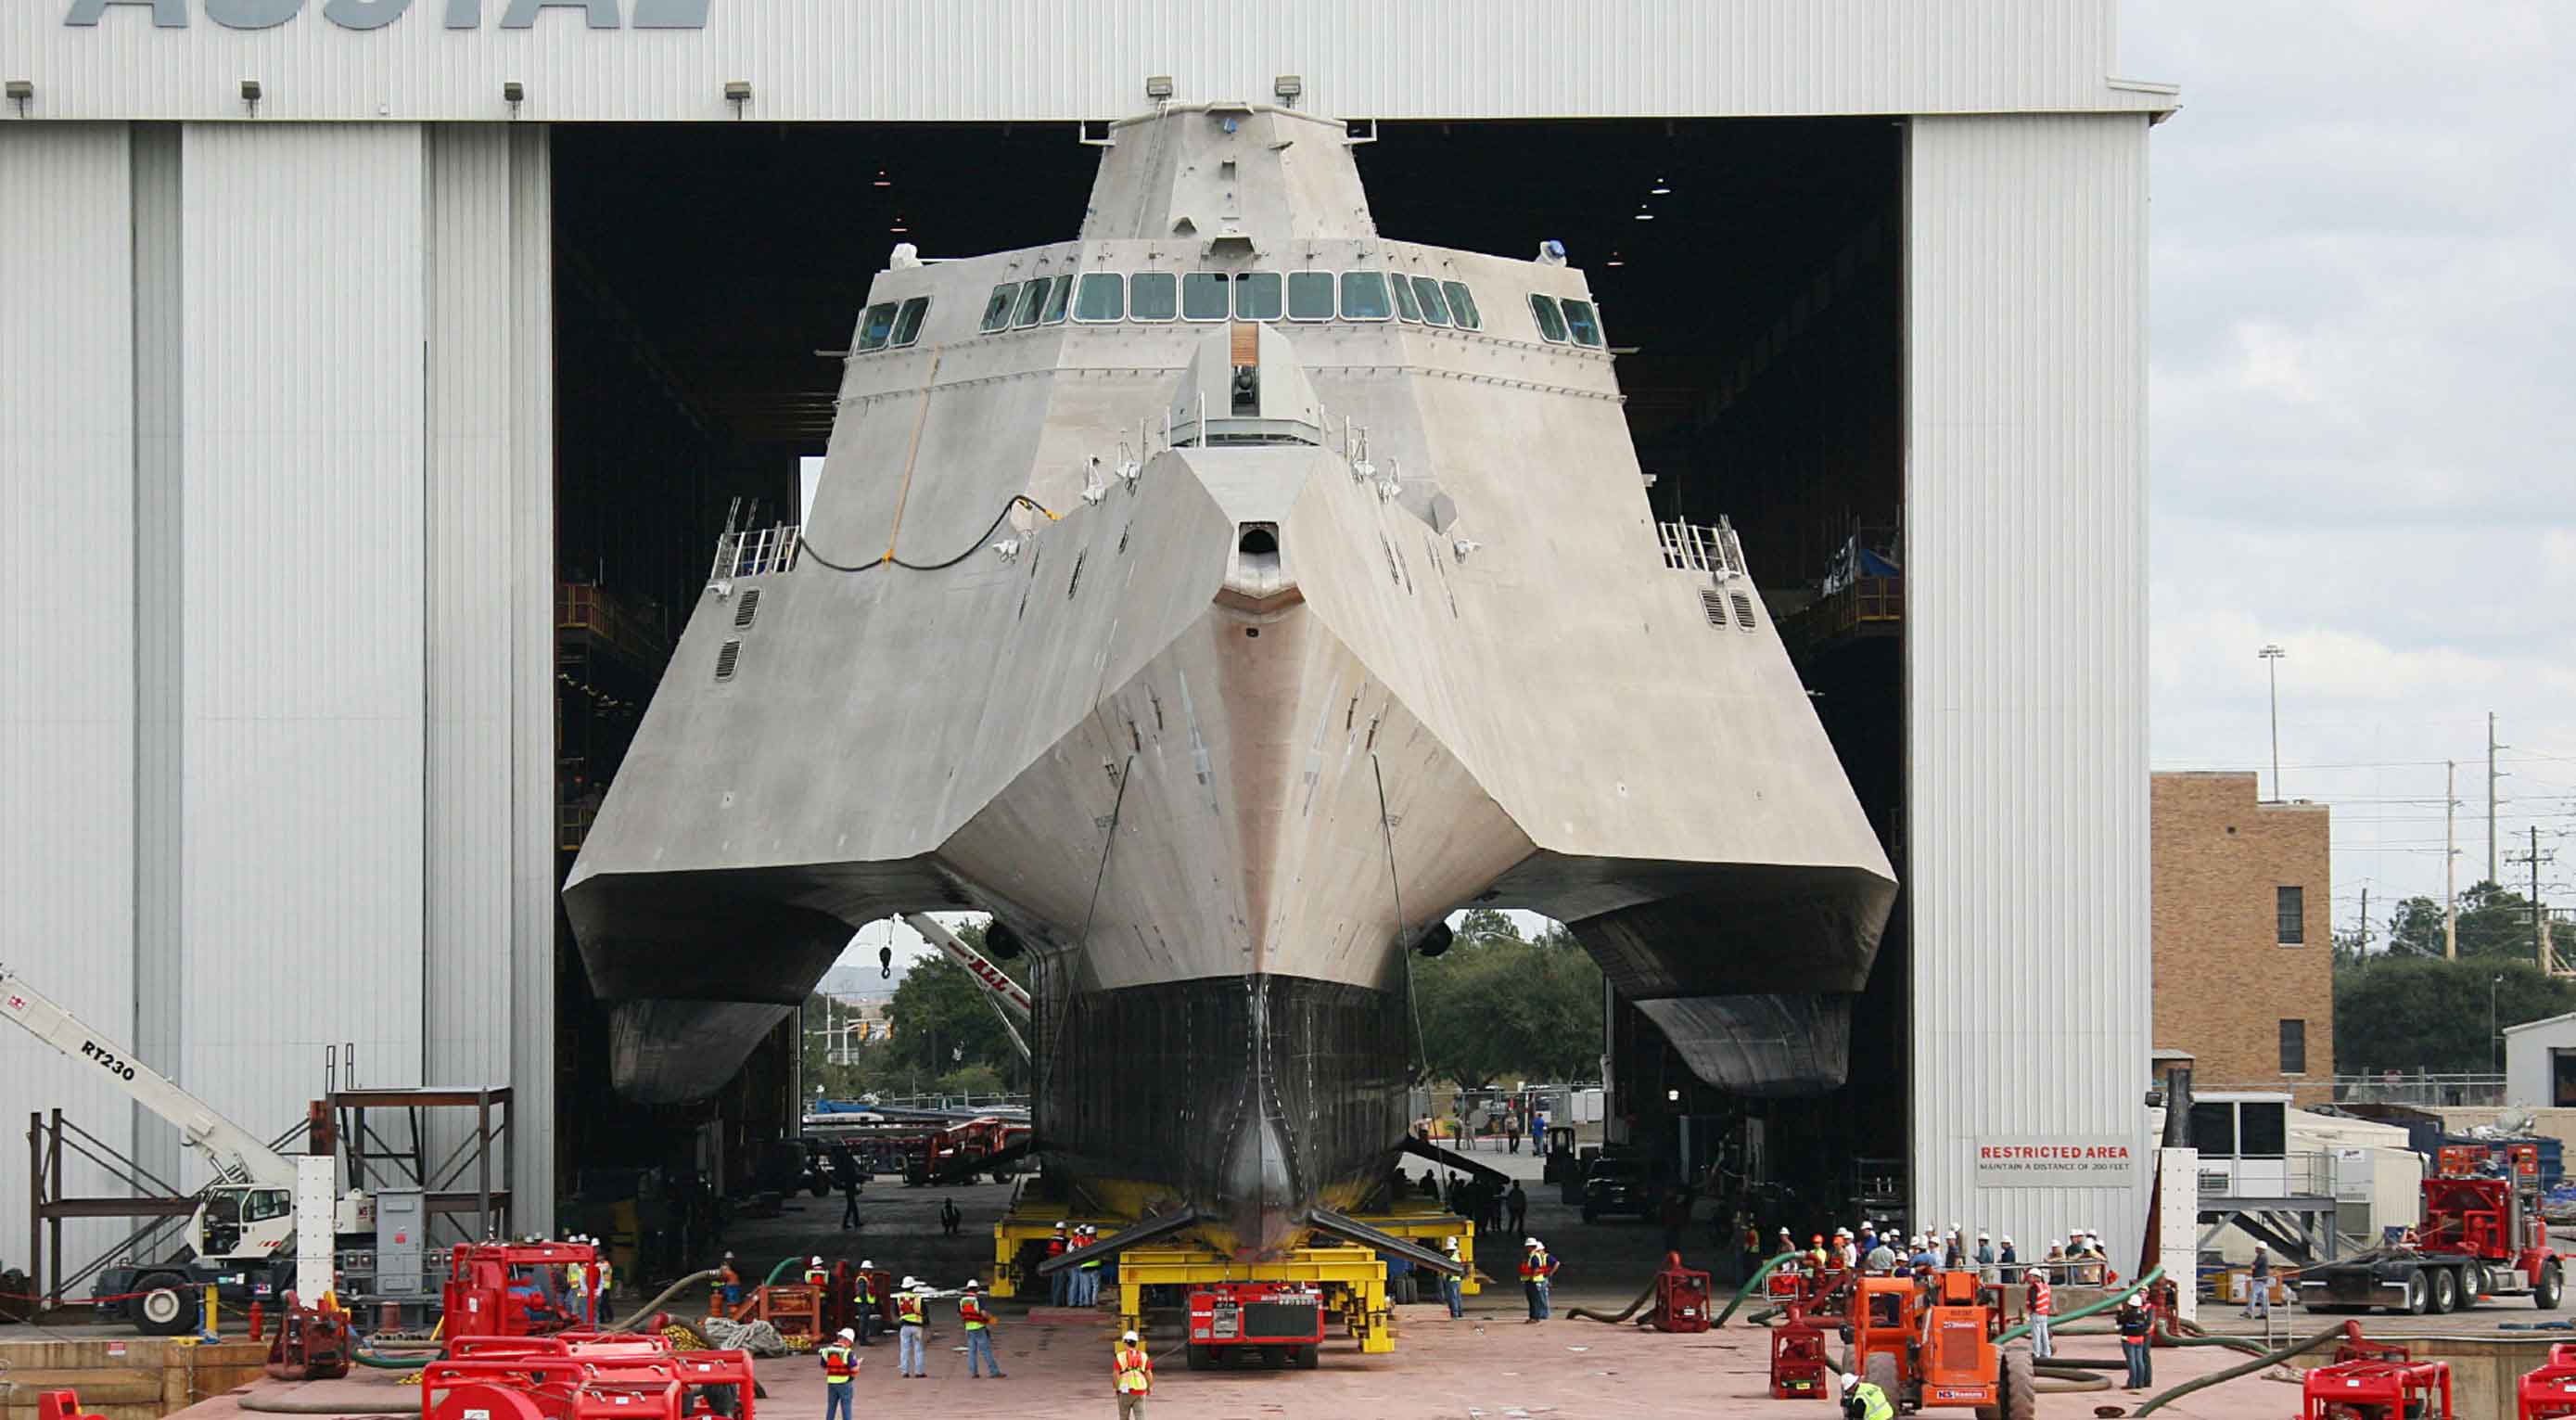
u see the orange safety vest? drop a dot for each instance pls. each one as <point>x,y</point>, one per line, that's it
<point>1055,1246</point>
<point>817,1277</point>
<point>972,1313</point>
<point>2039,1298</point>
<point>1135,1371</point>
<point>838,1364</point>
<point>907,1309</point>
<point>1536,1266</point>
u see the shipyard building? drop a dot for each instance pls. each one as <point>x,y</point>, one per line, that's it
<point>379,374</point>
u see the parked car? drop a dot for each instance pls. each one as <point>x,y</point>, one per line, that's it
<point>1615,1185</point>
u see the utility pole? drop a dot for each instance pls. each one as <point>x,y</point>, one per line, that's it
<point>2361,942</point>
<point>2450,861</point>
<point>2272,655</point>
<point>2539,926</point>
<point>2492,747</point>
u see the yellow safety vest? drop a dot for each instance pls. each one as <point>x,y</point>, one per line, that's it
<point>907,1309</point>
<point>606,1273</point>
<point>1135,1373</point>
<point>1874,1402</point>
<point>837,1368</point>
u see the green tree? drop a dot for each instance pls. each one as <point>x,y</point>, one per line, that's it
<point>2495,922</point>
<point>844,1068</point>
<point>1497,1004</point>
<point>942,1022</point>
<point>2408,1013</point>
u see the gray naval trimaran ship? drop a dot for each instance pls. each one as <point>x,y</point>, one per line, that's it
<point>1219,599</point>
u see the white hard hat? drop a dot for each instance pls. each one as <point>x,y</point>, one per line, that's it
<point>817,1262</point>
<point>2258,1247</point>
<point>848,1335</point>
<point>1529,1242</point>
<point>1059,1225</point>
<point>1130,1336</point>
<point>1850,1380</point>
<point>1983,1235</point>
<point>970,1284</point>
<point>912,1281</point>
<point>868,1265</point>
<point>2007,1239</point>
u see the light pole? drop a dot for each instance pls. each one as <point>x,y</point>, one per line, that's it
<point>2272,655</point>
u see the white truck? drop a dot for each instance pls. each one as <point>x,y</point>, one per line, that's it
<point>242,1239</point>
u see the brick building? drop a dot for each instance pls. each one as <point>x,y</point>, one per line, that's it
<point>2244,943</point>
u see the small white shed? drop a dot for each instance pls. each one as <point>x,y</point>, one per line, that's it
<point>2540,1062</point>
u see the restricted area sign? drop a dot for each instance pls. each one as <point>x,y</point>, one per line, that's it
<point>2056,1161</point>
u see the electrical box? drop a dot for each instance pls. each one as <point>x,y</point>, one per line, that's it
<point>402,1221</point>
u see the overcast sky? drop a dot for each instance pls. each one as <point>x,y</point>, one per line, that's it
<point>2363,436</point>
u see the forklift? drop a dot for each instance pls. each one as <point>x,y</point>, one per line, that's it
<point>1934,1347</point>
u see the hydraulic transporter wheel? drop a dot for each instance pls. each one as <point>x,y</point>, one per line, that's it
<point>2020,1386</point>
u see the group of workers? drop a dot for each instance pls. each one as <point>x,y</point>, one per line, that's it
<point>1879,1250</point>
<point>1484,1202</point>
<point>1078,1285</point>
<point>1131,1370</point>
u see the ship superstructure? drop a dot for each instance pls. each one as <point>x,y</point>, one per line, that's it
<point>1220,598</point>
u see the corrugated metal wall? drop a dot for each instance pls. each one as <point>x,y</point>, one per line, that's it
<point>979,60</point>
<point>2027,656</point>
<point>66,628</point>
<point>305,690</point>
<point>278,742</point>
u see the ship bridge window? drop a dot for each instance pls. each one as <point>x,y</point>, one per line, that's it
<point>1434,309</point>
<point>1059,295</point>
<point>1406,307</point>
<point>1310,295</point>
<point>1204,296</point>
<point>1462,306</point>
<point>907,322</point>
<point>1580,322</point>
<point>1153,295</point>
<point>997,307</point>
<point>1256,295</point>
<point>877,326</point>
<point>1103,297</point>
<point>1032,300</point>
<point>1364,296</point>
<point>1551,321</point>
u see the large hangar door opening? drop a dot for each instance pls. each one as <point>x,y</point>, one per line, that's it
<point>1749,277</point>
<point>706,277</point>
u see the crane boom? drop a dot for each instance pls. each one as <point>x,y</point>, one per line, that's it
<point>1009,1002</point>
<point>232,1152</point>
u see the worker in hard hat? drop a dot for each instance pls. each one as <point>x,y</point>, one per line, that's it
<point>1087,1274</point>
<point>1449,1283</point>
<point>576,1286</point>
<point>1865,1401</point>
<point>1536,1270</point>
<point>816,1274</point>
<point>839,1369</point>
<point>1060,1285</point>
<point>910,1324</point>
<point>729,1282</point>
<point>1134,1373</point>
<point>1817,1258</point>
<point>603,1281</point>
<point>979,1334</point>
<point>863,1297</point>
<point>2043,1303</point>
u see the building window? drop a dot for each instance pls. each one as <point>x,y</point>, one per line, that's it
<point>1153,295</point>
<point>1256,295</point>
<point>877,326</point>
<point>1032,300</point>
<point>1101,297</point>
<point>1462,305</point>
<point>1551,321</point>
<point>907,322</point>
<point>1435,307</point>
<point>2291,906</point>
<point>1058,297</point>
<point>2294,1047</point>
<point>1580,322</point>
<point>1204,296</point>
<point>1310,295</point>
<point>1364,296</point>
<point>997,307</point>
<point>2562,1078</point>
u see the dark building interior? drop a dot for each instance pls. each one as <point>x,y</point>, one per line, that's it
<point>1749,275</point>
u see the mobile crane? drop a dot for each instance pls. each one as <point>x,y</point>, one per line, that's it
<point>242,1238</point>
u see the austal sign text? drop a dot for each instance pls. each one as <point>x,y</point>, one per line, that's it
<point>376,14</point>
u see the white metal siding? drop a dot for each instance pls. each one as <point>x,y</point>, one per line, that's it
<point>491,598</point>
<point>160,623</point>
<point>979,60</point>
<point>531,569</point>
<point>66,630</point>
<point>304,600</point>
<point>2026,656</point>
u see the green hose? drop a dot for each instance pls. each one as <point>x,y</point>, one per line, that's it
<point>1755,1281</point>
<point>772,1279</point>
<point>369,1359</point>
<point>2018,1332</point>
<point>2245,1369</point>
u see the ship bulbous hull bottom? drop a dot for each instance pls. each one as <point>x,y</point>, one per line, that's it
<point>1250,1100</point>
